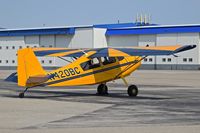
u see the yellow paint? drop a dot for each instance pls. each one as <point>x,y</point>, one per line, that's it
<point>115,53</point>
<point>29,68</point>
<point>166,48</point>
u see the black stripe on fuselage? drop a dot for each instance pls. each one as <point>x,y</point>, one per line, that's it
<point>90,73</point>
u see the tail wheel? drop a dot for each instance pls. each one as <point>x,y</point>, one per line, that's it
<point>21,95</point>
<point>132,91</point>
<point>102,89</point>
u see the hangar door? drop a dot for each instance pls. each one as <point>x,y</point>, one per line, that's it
<point>32,41</point>
<point>122,41</point>
<point>47,41</point>
<point>63,41</point>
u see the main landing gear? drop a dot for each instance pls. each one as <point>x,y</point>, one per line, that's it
<point>102,89</point>
<point>21,95</point>
<point>132,90</point>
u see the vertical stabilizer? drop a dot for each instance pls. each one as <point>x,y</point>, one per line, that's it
<point>28,66</point>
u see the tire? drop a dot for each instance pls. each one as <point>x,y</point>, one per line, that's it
<point>21,95</point>
<point>132,91</point>
<point>102,89</point>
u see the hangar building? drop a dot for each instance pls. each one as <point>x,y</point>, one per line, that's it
<point>105,35</point>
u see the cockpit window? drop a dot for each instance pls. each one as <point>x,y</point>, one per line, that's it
<point>108,60</point>
<point>93,63</point>
<point>120,58</point>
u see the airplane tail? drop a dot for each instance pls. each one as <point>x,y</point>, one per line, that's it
<point>29,68</point>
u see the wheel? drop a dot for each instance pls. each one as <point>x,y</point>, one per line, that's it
<point>21,95</point>
<point>132,90</point>
<point>102,89</point>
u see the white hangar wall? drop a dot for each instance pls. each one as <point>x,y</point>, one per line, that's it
<point>8,48</point>
<point>90,37</point>
<point>190,58</point>
<point>186,60</point>
<point>121,41</point>
<point>150,40</point>
<point>83,38</point>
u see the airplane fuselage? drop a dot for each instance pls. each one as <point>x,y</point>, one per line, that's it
<point>99,72</point>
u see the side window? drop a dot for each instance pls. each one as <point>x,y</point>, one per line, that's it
<point>108,60</point>
<point>93,63</point>
<point>120,58</point>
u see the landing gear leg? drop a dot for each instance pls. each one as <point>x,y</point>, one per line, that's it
<point>21,95</point>
<point>102,89</point>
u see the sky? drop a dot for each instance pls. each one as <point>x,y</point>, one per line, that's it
<point>39,13</point>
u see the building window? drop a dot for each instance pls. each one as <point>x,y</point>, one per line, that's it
<point>35,46</point>
<point>163,59</point>
<point>42,46</point>
<point>184,59</point>
<point>169,59</point>
<point>7,47</point>
<point>0,61</point>
<point>0,47</point>
<point>13,61</point>
<point>20,47</point>
<point>6,61</point>
<point>13,47</point>
<point>145,60</point>
<point>190,60</point>
<point>150,59</point>
<point>42,61</point>
<point>50,46</point>
<point>50,61</point>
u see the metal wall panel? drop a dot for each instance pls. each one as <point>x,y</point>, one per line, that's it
<point>189,39</point>
<point>47,41</point>
<point>99,38</point>
<point>122,41</point>
<point>166,40</point>
<point>83,38</point>
<point>32,41</point>
<point>63,41</point>
<point>8,50</point>
<point>150,40</point>
<point>181,39</point>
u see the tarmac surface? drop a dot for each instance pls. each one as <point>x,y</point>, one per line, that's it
<point>168,101</point>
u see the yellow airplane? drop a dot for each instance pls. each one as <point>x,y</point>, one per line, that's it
<point>90,66</point>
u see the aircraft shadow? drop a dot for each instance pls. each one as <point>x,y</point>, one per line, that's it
<point>38,94</point>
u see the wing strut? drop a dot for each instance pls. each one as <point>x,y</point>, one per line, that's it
<point>64,59</point>
<point>128,67</point>
<point>125,82</point>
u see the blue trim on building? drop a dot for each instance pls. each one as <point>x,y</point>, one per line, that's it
<point>112,29</point>
<point>154,30</point>
<point>120,25</point>
<point>29,32</point>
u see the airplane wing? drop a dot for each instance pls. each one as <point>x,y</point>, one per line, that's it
<point>113,52</point>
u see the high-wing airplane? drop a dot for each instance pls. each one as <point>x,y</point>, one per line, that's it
<point>89,66</point>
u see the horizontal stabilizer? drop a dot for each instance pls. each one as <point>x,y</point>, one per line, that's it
<point>12,78</point>
<point>39,79</point>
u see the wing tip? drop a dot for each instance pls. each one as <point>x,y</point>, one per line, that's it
<point>185,48</point>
